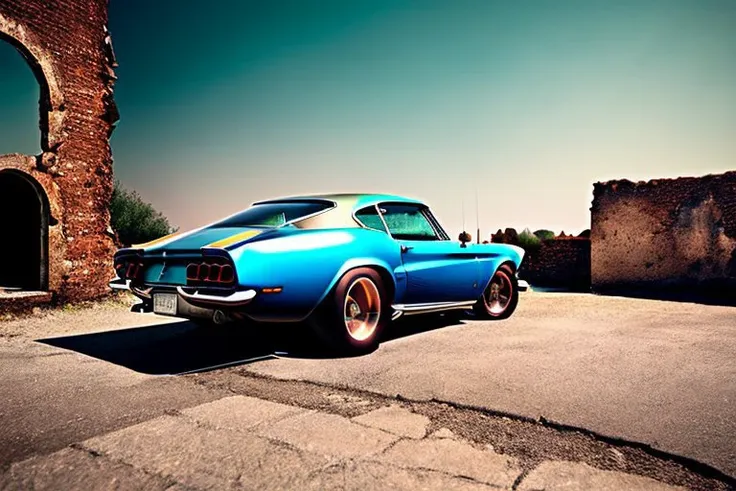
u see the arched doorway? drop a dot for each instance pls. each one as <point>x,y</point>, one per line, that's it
<point>24,225</point>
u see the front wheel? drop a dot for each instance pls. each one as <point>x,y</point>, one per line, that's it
<point>501,296</point>
<point>353,317</point>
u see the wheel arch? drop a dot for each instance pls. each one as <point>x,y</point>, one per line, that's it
<point>388,280</point>
<point>504,262</point>
<point>381,267</point>
<point>509,263</point>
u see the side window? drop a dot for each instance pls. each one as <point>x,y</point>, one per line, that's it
<point>408,222</point>
<point>369,217</point>
<point>275,220</point>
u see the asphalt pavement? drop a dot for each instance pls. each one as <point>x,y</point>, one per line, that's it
<point>641,372</point>
<point>659,373</point>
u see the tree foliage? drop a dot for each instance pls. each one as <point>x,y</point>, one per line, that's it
<point>544,234</point>
<point>133,220</point>
<point>529,242</point>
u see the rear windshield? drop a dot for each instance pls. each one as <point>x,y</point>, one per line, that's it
<point>274,214</point>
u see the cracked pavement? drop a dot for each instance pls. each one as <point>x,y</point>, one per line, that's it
<point>96,397</point>
<point>241,442</point>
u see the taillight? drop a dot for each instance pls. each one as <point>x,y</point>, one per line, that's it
<point>129,270</point>
<point>210,273</point>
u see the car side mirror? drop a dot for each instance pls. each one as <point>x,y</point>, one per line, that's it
<point>464,238</point>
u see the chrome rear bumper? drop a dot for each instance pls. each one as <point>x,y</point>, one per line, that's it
<point>120,284</point>
<point>235,299</point>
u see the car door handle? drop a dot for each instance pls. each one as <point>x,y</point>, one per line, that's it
<point>405,248</point>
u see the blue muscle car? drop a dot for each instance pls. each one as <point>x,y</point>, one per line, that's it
<point>347,263</point>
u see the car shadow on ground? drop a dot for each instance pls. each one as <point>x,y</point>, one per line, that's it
<point>183,347</point>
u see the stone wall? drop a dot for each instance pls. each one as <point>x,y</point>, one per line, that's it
<point>665,234</point>
<point>67,46</point>
<point>562,262</point>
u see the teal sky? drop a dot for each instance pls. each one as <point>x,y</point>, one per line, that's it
<point>531,102</point>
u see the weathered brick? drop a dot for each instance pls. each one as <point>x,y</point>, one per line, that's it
<point>560,262</point>
<point>64,41</point>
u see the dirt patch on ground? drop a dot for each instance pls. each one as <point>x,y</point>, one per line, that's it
<point>48,320</point>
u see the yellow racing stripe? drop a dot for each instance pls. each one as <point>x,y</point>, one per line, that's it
<point>156,241</point>
<point>234,239</point>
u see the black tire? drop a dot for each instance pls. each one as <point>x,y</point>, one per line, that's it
<point>493,304</point>
<point>329,320</point>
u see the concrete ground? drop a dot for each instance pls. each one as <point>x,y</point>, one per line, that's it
<point>660,373</point>
<point>567,394</point>
<point>241,442</point>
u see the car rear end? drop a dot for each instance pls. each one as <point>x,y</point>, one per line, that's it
<point>183,283</point>
<point>195,274</point>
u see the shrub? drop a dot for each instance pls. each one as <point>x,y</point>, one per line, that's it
<point>133,220</point>
<point>512,237</point>
<point>529,241</point>
<point>544,234</point>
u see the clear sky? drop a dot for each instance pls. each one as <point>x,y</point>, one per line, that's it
<point>226,102</point>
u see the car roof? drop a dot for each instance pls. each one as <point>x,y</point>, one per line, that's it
<point>354,201</point>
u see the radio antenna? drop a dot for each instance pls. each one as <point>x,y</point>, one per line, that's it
<point>463,204</point>
<point>477,216</point>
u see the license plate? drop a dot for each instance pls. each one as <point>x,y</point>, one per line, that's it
<point>164,303</point>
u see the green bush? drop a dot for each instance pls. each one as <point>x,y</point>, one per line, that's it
<point>544,234</point>
<point>529,241</point>
<point>133,220</point>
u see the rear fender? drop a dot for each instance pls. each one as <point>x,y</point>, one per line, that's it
<point>307,265</point>
<point>363,262</point>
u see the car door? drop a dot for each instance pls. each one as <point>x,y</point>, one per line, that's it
<point>437,269</point>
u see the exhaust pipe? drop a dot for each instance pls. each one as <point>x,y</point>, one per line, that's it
<point>220,317</point>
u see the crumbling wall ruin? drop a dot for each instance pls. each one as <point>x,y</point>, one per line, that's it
<point>68,47</point>
<point>665,234</point>
<point>559,262</point>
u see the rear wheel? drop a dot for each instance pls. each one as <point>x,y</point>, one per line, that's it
<point>501,296</point>
<point>354,315</point>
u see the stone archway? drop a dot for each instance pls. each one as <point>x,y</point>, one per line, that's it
<point>72,59</point>
<point>24,222</point>
<point>24,204</point>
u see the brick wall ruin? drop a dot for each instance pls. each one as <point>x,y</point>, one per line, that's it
<point>665,234</point>
<point>559,262</point>
<point>68,47</point>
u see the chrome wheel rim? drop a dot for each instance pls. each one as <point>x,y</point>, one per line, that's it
<point>362,309</point>
<point>497,296</point>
